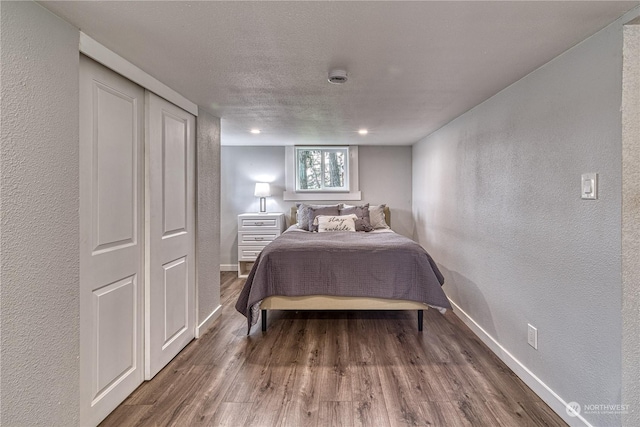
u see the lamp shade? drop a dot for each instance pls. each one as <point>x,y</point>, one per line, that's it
<point>263,189</point>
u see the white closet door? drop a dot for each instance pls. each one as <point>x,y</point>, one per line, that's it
<point>170,225</point>
<point>111,239</point>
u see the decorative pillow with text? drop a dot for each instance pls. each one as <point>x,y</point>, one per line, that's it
<point>336,223</point>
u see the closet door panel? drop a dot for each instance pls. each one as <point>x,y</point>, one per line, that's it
<point>111,246</point>
<point>170,222</point>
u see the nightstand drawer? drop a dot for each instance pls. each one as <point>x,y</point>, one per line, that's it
<point>252,238</point>
<point>249,253</point>
<point>258,223</point>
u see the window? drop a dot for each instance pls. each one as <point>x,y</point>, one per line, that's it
<point>322,169</point>
<point>321,173</point>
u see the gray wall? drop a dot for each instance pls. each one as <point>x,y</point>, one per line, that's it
<point>496,198</point>
<point>208,237</point>
<point>631,224</point>
<point>40,233</point>
<point>384,172</point>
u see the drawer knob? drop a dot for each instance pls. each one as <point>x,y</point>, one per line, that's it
<point>259,223</point>
<point>259,238</point>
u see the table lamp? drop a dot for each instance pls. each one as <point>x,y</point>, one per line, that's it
<point>263,190</point>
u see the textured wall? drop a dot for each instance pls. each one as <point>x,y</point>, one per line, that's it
<point>385,177</point>
<point>631,225</point>
<point>384,172</point>
<point>496,199</point>
<point>40,223</point>
<point>208,238</point>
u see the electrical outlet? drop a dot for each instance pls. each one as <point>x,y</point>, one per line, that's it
<point>532,336</point>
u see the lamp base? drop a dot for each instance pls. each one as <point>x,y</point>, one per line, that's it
<point>263,204</point>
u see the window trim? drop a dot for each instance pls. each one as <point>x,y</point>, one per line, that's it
<point>323,150</point>
<point>290,171</point>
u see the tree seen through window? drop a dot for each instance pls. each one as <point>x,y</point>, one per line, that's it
<point>321,169</point>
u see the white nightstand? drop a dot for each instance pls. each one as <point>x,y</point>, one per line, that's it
<point>255,231</point>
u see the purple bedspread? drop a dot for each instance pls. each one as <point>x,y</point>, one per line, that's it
<point>381,265</point>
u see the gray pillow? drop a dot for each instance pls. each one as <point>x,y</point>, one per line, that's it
<point>362,212</point>
<point>303,221</point>
<point>303,214</point>
<point>313,212</point>
<point>376,217</point>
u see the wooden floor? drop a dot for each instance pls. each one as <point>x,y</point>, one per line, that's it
<point>334,369</point>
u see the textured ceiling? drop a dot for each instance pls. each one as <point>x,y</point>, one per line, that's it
<point>413,66</point>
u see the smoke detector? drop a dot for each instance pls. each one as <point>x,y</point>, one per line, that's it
<point>337,76</point>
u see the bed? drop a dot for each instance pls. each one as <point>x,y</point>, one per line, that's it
<point>379,270</point>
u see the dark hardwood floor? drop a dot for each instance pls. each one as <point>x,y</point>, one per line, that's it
<point>334,369</point>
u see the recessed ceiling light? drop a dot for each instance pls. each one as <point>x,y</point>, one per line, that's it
<point>255,131</point>
<point>363,131</point>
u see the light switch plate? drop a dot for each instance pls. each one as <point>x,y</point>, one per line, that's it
<point>589,186</point>
<point>532,336</point>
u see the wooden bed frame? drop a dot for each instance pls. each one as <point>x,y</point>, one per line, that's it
<point>328,302</point>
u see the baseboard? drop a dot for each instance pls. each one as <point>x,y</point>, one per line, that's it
<point>228,267</point>
<point>550,397</point>
<point>206,323</point>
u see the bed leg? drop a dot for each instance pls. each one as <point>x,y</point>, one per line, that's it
<point>264,320</point>
<point>420,316</point>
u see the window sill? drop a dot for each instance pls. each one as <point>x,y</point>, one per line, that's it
<point>292,196</point>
